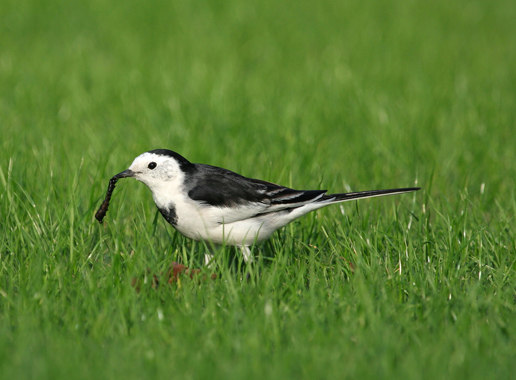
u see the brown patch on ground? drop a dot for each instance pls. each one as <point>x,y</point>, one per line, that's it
<point>175,273</point>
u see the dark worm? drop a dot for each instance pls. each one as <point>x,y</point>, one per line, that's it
<point>101,213</point>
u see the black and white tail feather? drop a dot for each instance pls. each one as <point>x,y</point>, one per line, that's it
<point>216,205</point>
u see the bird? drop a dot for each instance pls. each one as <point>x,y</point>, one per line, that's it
<point>218,206</point>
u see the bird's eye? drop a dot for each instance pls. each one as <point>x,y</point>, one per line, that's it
<point>152,165</point>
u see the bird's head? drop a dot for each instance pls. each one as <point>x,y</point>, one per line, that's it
<point>156,167</point>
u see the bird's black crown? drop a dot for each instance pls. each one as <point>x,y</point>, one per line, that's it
<point>183,162</point>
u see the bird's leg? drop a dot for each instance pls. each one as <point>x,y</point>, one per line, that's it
<point>246,252</point>
<point>209,255</point>
<point>208,259</point>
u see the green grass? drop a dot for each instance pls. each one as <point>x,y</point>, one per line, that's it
<point>325,95</point>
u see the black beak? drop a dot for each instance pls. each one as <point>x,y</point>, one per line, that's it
<point>124,174</point>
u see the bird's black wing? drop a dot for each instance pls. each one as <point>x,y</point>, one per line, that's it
<point>220,187</point>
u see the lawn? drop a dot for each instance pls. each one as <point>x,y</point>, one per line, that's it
<point>337,95</point>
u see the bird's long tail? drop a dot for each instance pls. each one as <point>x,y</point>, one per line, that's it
<point>335,198</point>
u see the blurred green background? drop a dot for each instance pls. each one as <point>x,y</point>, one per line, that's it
<point>397,88</point>
<point>340,95</point>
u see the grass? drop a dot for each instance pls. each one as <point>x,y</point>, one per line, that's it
<point>334,95</point>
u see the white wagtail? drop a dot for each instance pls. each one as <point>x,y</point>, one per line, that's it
<point>216,205</point>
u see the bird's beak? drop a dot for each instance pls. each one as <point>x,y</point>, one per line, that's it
<point>124,174</point>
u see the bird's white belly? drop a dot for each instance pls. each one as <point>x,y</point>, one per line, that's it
<point>243,232</point>
<point>209,224</point>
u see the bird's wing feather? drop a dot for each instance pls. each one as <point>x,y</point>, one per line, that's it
<point>223,188</point>
<point>237,198</point>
